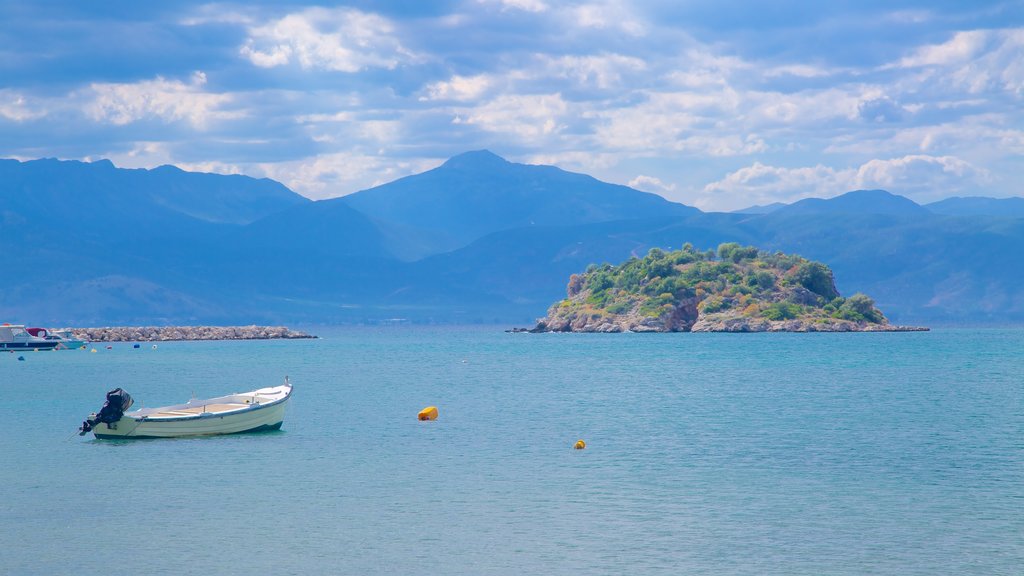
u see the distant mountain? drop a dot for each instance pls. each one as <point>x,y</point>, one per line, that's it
<point>477,239</point>
<point>99,196</point>
<point>761,209</point>
<point>478,193</point>
<point>979,206</point>
<point>856,202</point>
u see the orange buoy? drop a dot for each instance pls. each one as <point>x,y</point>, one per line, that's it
<point>428,413</point>
<point>580,445</point>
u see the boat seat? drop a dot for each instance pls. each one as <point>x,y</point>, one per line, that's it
<point>212,408</point>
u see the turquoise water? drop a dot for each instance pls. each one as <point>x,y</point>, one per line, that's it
<point>706,454</point>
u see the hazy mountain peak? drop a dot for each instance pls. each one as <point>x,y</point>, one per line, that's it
<point>857,202</point>
<point>1012,207</point>
<point>475,159</point>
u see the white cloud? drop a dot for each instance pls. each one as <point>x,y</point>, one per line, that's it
<point>576,160</point>
<point>337,174</point>
<point>216,14</point>
<point>763,184</point>
<point>959,49</point>
<point>530,117</point>
<point>601,71</point>
<point>150,154</point>
<point>909,16</point>
<point>524,5</point>
<point>799,71</point>
<point>920,177</point>
<point>651,184</point>
<point>167,100</point>
<point>609,14</point>
<point>690,122</point>
<point>804,108</point>
<point>975,61</point>
<point>459,88</point>
<point>700,68</point>
<point>14,106</point>
<point>342,39</point>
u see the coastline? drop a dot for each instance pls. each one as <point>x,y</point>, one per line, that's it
<point>716,324</point>
<point>185,333</point>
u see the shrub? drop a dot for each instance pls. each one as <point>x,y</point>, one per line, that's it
<point>817,278</point>
<point>714,304</point>
<point>781,311</point>
<point>863,306</point>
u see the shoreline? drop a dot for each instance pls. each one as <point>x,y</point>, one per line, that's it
<point>186,333</point>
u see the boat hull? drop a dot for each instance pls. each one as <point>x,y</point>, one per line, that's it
<point>23,346</point>
<point>255,419</point>
<point>70,344</point>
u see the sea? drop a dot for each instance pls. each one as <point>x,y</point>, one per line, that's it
<point>760,454</point>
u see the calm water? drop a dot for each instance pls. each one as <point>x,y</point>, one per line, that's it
<point>706,454</point>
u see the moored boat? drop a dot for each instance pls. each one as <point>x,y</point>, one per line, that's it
<point>255,411</point>
<point>64,338</point>
<point>16,337</point>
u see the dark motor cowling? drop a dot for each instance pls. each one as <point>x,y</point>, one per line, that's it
<point>118,401</point>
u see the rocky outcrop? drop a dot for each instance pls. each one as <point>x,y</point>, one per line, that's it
<point>723,323</point>
<point>686,318</point>
<point>170,333</point>
<point>564,319</point>
<point>736,289</point>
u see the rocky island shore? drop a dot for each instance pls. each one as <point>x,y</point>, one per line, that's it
<point>171,333</point>
<point>736,289</point>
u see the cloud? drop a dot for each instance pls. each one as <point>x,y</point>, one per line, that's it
<point>920,177</point>
<point>610,14</point>
<point>529,117</point>
<point>167,100</point>
<point>342,40</point>
<point>216,13</point>
<point>962,47</point>
<point>975,61</point>
<point>880,109</point>
<point>578,160</point>
<point>524,5</point>
<point>763,184</point>
<point>460,88</point>
<point>651,184</point>
<point>147,154</point>
<point>602,71</point>
<point>335,174</point>
<point>14,106</point>
<point>679,122</point>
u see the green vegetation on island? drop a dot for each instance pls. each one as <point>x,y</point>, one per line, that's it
<point>736,289</point>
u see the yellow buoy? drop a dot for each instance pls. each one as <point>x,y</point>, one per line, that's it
<point>580,445</point>
<point>428,413</point>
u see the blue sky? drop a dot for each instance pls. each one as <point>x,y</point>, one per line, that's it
<point>719,105</point>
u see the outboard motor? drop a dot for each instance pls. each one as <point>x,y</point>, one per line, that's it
<point>118,401</point>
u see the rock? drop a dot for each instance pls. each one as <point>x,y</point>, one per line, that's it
<point>170,333</point>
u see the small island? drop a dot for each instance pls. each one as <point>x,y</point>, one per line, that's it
<point>736,289</point>
<point>172,333</point>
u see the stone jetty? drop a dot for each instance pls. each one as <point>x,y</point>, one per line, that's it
<point>170,333</point>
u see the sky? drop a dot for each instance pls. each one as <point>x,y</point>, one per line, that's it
<point>719,105</point>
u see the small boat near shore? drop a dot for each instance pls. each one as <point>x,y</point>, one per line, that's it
<point>254,411</point>
<point>64,338</point>
<point>16,337</point>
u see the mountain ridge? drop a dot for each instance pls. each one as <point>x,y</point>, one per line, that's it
<point>112,251</point>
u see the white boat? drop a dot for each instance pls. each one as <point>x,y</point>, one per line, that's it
<point>16,337</point>
<point>64,338</point>
<point>255,411</point>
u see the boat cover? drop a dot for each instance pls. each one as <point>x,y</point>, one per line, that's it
<point>117,402</point>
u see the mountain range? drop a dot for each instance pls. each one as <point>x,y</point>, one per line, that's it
<point>477,239</point>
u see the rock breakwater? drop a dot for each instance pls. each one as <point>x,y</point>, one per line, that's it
<point>171,333</point>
